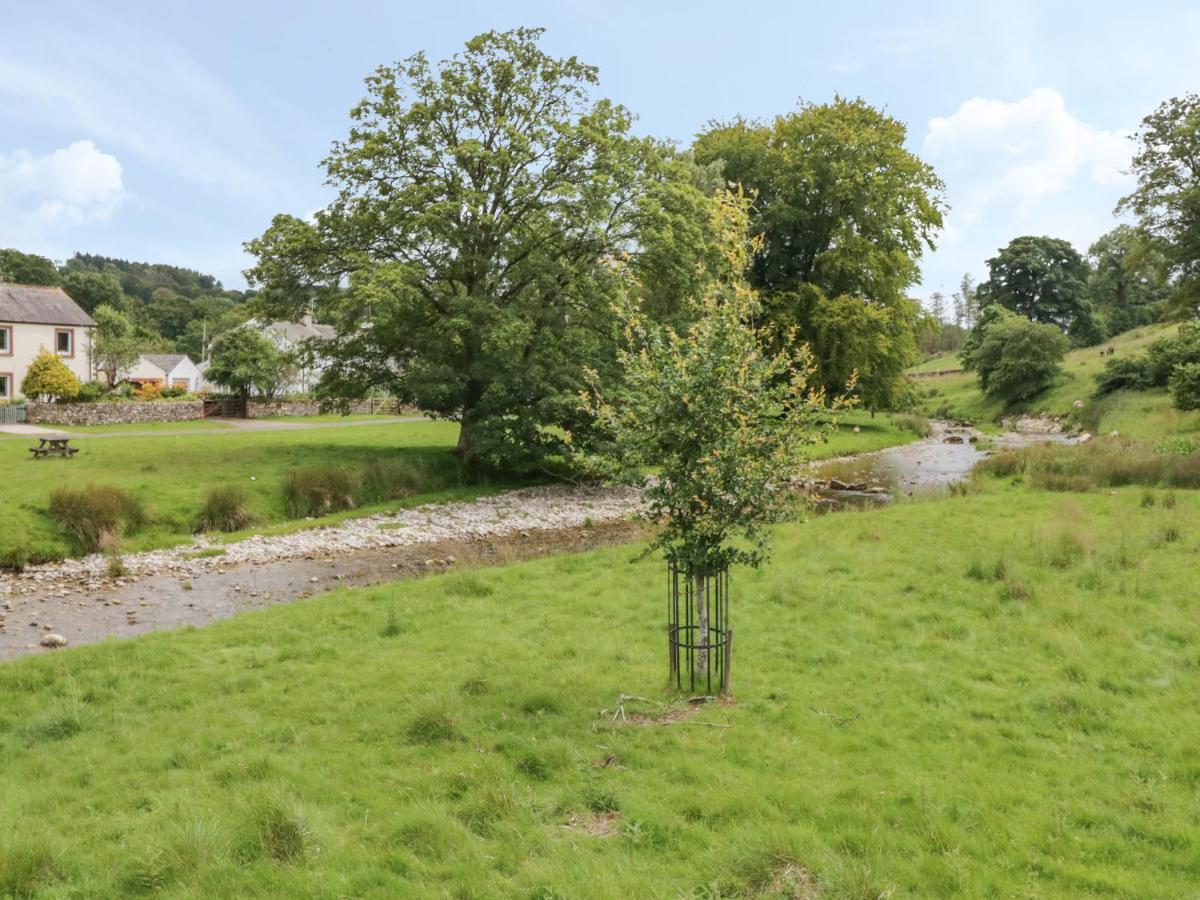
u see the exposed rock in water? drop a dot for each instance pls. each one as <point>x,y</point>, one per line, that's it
<point>54,640</point>
<point>953,439</point>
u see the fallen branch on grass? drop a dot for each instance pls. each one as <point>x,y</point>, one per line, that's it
<point>836,719</point>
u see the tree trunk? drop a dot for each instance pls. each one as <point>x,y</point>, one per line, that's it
<point>701,623</point>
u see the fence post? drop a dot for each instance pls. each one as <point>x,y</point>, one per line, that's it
<point>725,673</point>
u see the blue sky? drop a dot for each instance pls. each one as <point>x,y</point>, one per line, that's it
<point>173,131</point>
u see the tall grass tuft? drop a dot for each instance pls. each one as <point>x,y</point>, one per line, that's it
<point>1107,462</point>
<point>274,828</point>
<point>26,865</point>
<point>224,509</point>
<point>917,425</point>
<point>97,516</point>
<point>391,479</point>
<point>318,491</point>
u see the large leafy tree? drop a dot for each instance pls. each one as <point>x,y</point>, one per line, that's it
<point>723,423</point>
<point>1043,279</point>
<point>1167,199</point>
<point>467,262</point>
<point>27,268</point>
<point>1127,283</point>
<point>845,212</point>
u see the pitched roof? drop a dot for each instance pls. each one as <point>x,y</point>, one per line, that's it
<point>295,332</point>
<point>164,361</point>
<point>34,304</point>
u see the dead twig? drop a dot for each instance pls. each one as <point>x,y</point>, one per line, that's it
<point>836,719</point>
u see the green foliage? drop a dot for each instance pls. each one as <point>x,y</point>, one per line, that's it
<point>722,424</point>
<point>1014,357</point>
<point>1043,279</point>
<point>92,391</point>
<point>1100,463</point>
<point>117,344</point>
<point>224,509</point>
<point>1127,282</point>
<point>96,516</point>
<point>319,491</point>
<point>1185,386</point>
<point>26,268</point>
<point>1168,353</point>
<point>844,211</point>
<point>91,290</point>
<point>1128,373</point>
<point>244,361</point>
<point>48,378</point>
<point>480,201</point>
<point>392,479</point>
<point>140,280</point>
<point>1167,198</point>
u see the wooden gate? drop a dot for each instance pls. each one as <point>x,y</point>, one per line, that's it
<point>13,414</point>
<point>225,409</point>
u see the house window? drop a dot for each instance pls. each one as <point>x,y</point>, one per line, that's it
<point>6,340</point>
<point>5,385</point>
<point>64,341</point>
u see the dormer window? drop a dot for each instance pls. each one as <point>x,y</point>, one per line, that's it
<point>64,342</point>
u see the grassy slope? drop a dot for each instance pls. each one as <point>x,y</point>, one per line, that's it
<point>959,395</point>
<point>171,473</point>
<point>1001,743</point>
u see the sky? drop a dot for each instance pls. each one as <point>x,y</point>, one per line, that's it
<point>174,131</point>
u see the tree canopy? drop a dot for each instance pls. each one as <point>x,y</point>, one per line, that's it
<point>845,212</point>
<point>27,268</point>
<point>1043,279</point>
<point>245,362</point>
<point>1015,357</point>
<point>1167,198</point>
<point>1127,284</point>
<point>467,260</point>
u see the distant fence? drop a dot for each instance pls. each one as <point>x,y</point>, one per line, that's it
<point>934,374</point>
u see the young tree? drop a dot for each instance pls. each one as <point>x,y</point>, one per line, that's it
<point>467,261</point>
<point>1015,358</point>
<point>1167,199</point>
<point>48,378</point>
<point>968,295</point>
<point>244,361</point>
<point>937,306</point>
<point>116,344</point>
<point>723,424</point>
<point>845,210</point>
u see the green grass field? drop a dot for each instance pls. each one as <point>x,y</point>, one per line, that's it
<point>1008,709</point>
<point>171,473</point>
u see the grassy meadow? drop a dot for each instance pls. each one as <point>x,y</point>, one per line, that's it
<point>171,473</point>
<point>1005,710</point>
<point>958,395</point>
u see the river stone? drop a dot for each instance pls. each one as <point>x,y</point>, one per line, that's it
<point>54,640</point>
<point>953,439</point>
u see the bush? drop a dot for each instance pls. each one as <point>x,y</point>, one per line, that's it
<point>1015,358</point>
<point>224,509</point>
<point>96,516</point>
<point>391,479</point>
<point>1184,385</point>
<point>1168,353</point>
<point>1128,374</point>
<point>318,491</point>
<point>49,378</point>
<point>92,391</point>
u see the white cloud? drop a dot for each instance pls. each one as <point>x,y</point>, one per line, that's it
<point>992,152</point>
<point>68,186</point>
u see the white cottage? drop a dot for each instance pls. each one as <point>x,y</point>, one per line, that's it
<point>174,370</point>
<point>35,318</point>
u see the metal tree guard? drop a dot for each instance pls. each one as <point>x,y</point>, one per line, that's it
<point>683,630</point>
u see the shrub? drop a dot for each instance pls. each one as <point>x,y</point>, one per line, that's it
<point>1004,464</point>
<point>1127,374</point>
<point>96,516</point>
<point>49,378</point>
<point>318,491</point>
<point>1167,354</point>
<point>92,391</point>
<point>224,509</point>
<point>1184,385</point>
<point>1176,446</point>
<point>391,479</point>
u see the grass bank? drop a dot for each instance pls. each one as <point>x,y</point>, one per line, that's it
<point>170,474</point>
<point>1006,710</point>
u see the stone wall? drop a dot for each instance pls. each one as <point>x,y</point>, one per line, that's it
<point>261,409</point>
<point>127,413</point>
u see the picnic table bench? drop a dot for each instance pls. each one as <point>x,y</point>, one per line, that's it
<point>54,445</point>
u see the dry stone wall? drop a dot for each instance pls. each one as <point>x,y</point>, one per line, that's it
<point>127,413</point>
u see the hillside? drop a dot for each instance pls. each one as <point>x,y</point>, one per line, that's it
<point>1145,414</point>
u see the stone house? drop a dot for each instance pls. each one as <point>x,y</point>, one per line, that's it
<point>33,318</point>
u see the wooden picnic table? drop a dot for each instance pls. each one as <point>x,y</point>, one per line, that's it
<point>53,445</point>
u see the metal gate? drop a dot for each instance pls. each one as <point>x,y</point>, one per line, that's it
<point>13,414</point>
